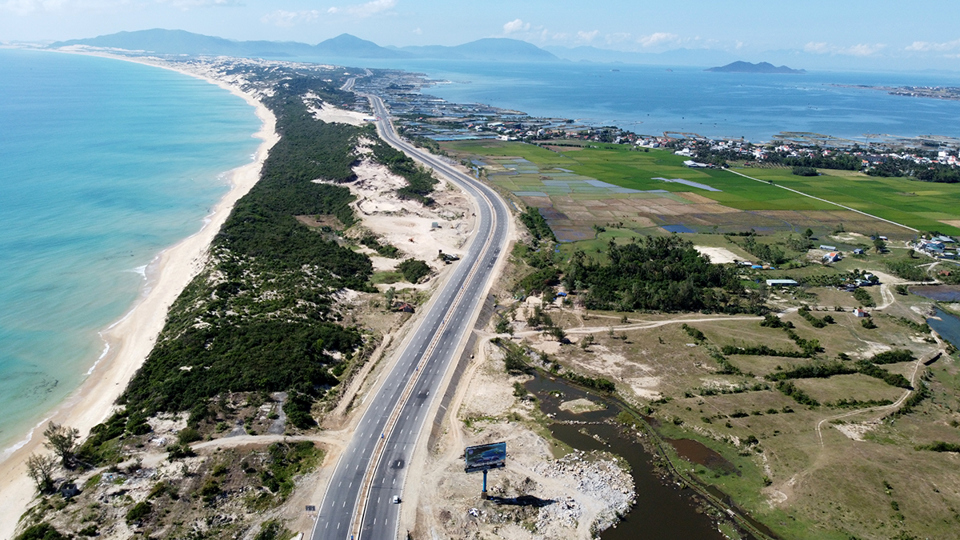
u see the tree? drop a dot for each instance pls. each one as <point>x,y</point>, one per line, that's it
<point>879,245</point>
<point>388,297</point>
<point>62,440</point>
<point>40,470</point>
<point>808,233</point>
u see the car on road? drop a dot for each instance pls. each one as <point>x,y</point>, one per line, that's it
<point>396,499</point>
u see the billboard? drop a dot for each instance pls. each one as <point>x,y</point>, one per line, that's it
<point>485,456</point>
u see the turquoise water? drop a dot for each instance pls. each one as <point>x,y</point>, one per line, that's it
<point>103,164</point>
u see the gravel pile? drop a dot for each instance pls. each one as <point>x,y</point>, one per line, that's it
<point>601,479</point>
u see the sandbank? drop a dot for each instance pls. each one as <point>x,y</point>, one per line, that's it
<point>131,339</point>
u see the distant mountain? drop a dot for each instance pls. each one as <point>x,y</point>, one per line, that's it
<point>747,67</point>
<point>162,41</point>
<point>676,57</point>
<point>344,46</point>
<point>347,46</point>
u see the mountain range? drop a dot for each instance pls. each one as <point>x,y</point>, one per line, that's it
<point>344,46</point>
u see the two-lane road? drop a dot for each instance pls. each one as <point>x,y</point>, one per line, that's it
<point>372,469</point>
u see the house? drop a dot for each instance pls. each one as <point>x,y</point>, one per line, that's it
<point>858,251</point>
<point>828,248</point>
<point>781,283</point>
<point>832,257</point>
<point>404,307</point>
<point>694,165</point>
<point>860,313</point>
<point>945,240</point>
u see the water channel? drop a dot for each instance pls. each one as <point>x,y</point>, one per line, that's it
<point>662,510</point>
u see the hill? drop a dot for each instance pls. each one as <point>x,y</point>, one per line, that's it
<point>747,67</point>
<point>344,46</point>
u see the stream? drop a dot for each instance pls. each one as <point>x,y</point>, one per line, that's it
<point>662,510</point>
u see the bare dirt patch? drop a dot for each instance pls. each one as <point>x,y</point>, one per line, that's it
<point>718,255</point>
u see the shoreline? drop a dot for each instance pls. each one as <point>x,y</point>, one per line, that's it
<point>128,340</point>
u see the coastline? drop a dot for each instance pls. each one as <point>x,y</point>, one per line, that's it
<point>130,339</point>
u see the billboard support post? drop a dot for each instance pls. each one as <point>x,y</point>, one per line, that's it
<point>484,457</point>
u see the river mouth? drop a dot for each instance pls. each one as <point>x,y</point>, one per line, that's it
<point>663,510</point>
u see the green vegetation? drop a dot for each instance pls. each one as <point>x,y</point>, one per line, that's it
<point>897,199</point>
<point>893,379</point>
<point>940,446</point>
<point>413,270</point>
<point>536,224</point>
<point>814,321</point>
<point>813,371</point>
<point>907,269</point>
<point>656,273</point>
<point>894,356</point>
<point>597,383</point>
<point>287,460</point>
<point>42,531</point>
<point>420,181</point>
<point>799,170</point>
<point>864,297</point>
<point>801,397</point>
<point>139,511</point>
<point>765,252</point>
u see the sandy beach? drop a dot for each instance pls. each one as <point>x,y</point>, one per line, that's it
<point>131,338</point>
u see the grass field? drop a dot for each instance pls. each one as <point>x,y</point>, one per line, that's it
<point>920,205</point>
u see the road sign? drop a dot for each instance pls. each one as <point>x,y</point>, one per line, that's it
<point>485,457</point>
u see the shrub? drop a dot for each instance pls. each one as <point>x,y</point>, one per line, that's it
<point>413,270</point>
<point>188,435</point>
<point>138,512</point>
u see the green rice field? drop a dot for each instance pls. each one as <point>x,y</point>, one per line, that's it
<point>531,171</point>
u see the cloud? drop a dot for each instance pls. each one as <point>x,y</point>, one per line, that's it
<point>418,31</point>
<point>287,19</point>
<point>514,26</point>
<point>817,47</point>
<point>861,49</point>
<point>587,36</point>
<point>926,46</point>
<point>187,4</point>
<point>364,10</point>
<point>27,7</point>
<point>657,39</point>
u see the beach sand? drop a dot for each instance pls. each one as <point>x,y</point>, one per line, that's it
<point>131,338</point>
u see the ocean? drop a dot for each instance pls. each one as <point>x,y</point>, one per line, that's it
<point>653,99</point>
<point>103,164</point>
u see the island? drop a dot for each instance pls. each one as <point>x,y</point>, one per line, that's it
<point>762,67</point>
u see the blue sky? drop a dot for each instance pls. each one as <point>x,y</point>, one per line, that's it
<point>878,33</point>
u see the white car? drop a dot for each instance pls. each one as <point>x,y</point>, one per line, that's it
<point>396,499</point>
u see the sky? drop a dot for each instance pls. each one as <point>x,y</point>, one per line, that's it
<point>879,33</point>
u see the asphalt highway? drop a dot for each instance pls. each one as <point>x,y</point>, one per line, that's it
<point>372,469</point>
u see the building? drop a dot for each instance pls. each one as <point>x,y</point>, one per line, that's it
<point>781,283</point>
<point>832,257</point>
<point>860,313</point>
<point>828,248</point>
